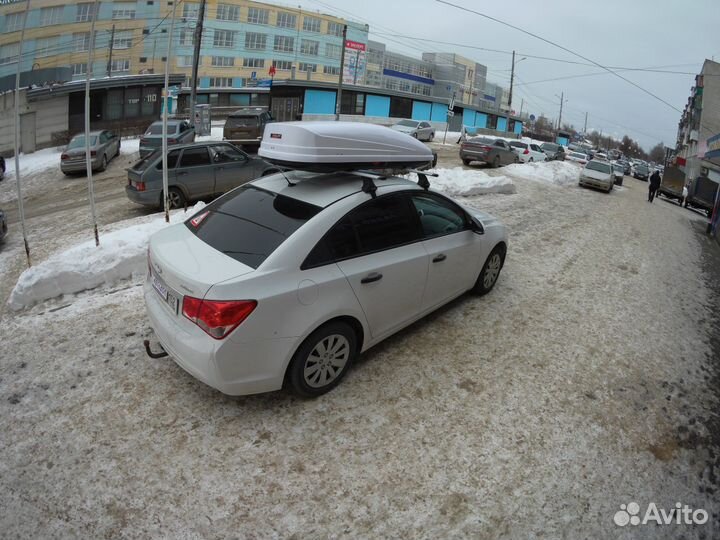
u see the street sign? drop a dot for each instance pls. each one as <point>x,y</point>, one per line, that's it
<point>532,117</point>
<point>451,113</point>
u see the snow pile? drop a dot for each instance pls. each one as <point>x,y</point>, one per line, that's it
<point>459,182</point>
<point>121,255</point>
<point>560,173</point>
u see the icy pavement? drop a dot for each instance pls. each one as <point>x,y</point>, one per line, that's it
<point>582,382</point>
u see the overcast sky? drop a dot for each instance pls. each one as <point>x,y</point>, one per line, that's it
<point>673,35</point>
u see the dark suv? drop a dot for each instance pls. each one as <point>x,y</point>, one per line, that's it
<point>246,126</point>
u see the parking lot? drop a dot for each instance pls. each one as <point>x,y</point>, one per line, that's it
<point>588,378</point>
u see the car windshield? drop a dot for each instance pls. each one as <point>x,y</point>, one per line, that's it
<point>156,129</point>
<point>241,121</point>
<point>598,166</point>
<point>407,123</point>
<point>249,223</point>
<point>79,142</point>
<point>641,168</point>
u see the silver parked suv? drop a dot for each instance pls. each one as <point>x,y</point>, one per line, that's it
<point>195,171</point>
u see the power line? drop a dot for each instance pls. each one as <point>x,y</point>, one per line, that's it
<point>536,36</point>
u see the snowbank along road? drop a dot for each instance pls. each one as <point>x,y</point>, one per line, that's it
<point>585,381</point>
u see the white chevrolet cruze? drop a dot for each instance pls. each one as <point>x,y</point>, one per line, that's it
<point>287,279</point>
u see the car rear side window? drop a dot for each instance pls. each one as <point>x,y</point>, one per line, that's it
<point>249,223</point>
<point>193,157</point>
<point>171,159</point>
<point>382,223</point>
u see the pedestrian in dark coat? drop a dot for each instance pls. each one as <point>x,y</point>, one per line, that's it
<point>654,185</point>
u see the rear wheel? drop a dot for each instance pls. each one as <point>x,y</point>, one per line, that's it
<point>496,162</point>
<point>103,163</point>
<point>531,160</point>
<point>432,136</point>
<point>466,161</point>
<point>177,198</point>
<point>322,359</point>
<point>490,271</point>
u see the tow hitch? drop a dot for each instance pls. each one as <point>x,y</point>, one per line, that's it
<point>152,354</point>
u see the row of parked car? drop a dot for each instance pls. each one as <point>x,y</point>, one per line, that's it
<point>497,152</point>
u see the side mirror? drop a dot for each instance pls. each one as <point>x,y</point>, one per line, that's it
<point>475,225</point>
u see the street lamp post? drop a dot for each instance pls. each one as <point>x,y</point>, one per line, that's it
<point>512,77</point>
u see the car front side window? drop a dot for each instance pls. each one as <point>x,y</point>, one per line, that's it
<point>194,157</point>
<point>438,216</point>
<point>224,153</point>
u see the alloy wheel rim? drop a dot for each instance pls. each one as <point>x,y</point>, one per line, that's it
<point>492,270</point>
<point>174,200</point>
<point>326,361</point>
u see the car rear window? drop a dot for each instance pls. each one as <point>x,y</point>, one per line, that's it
<point>518,144</point>
<point>249,223</point>
<point>156,129</point>
<point>241,121</point>
<point>79,141</point>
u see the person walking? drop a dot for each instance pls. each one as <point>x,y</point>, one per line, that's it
<point>654,185</point>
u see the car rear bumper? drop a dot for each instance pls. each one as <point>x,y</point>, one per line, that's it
<point>78,166</point>
<point>474,155</point>
<point>232,367</point>
<point>147,198</point>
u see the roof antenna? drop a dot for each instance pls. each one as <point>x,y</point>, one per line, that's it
<point>291,184</point>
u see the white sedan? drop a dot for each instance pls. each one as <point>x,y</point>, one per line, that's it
<point>598,174</point>
<point>287,279</point>
<point>577,157</point>
<point>422,131</point>
<point>528,152</point>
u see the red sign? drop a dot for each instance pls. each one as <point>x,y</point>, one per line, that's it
<point>354,45</point>
<point>271,71</point>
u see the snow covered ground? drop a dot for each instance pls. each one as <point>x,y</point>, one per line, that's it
<point>582,382</point>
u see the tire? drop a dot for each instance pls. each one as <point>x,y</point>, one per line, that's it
<point>517,159</point>
<point>312,371</point>
<point>432,136</point>
<point>414,135</point>
<point>531,160</point>
<point>177,198</point>
<point>490,271</point>
<point>466,161</point>
<point>103,163</point>
<point>496,162</point>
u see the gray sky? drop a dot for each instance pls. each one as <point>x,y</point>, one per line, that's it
<point>673,35</point>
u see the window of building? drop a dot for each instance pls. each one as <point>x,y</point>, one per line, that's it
<point>14,21</point>
<point>224,38</point>
<point>79,69</point>
<point>45,46</point>
<point>400,107</point>
<point>227,12</point>
<point>120,65</point>
<point>332,50</point>
<point>283,65</point>
<point>352,103</point>
<point>286,20</point>
<point>223,61</point>
<point>143,59</point>
<point>186,38</point>
<point>310,47</point>
<point>124,10</point>
<point>186,61</point>
<point>258,16</point>
<point>335,29</point>
<point>81,41</point>
<point>123,39</point>
<point>254,41</point>
<point>253,62</point>
<point>51,15</point>
<point>9,53</point>
<point>191,10</point>
<point>220,82</point>
<point>304,66</point>
<point>331,70</point>
<point>311,24</point>
<point>84,12</point>
<point>284,44</point>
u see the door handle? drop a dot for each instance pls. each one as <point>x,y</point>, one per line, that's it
<point>375,276</point>
<point>440,258</point>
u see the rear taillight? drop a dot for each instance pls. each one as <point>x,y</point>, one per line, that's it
<point>217,318</point>
<point>140,186</point>
<point>486,148</point>
<point>526,151</point>
<point>64,157</point>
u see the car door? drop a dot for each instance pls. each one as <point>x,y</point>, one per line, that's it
<point>452,247</point>
<point>378,248</point>
<point>538,154</point>
<point>232,167</point>
<point>505,152</point>
<point>113,144</point>
<point>425,131</point>
<point>195,172</point>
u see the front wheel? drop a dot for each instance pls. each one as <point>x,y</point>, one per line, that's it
<point>490,271</point>
<point>466,161</point>
<point>432,136</point>
<point>322,359</point>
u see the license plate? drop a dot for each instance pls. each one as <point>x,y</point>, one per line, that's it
<point>166,295</point>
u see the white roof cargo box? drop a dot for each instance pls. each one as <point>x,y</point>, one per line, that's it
<point>335,146</point>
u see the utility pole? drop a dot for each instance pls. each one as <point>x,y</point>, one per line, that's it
<point>340,78</point>
<point>88,158</point>
<point>522,103</point>
<point>112,44</point>
<point>21,204</point>
<point>166,103</point>
<point>512,79</point>
<point>196,60</point>
<point>585,128</point>
<point>562,100</point>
